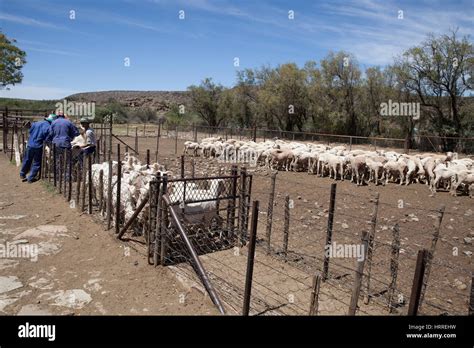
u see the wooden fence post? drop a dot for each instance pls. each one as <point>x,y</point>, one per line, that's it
<point>394,265</point>
<point>314,300</point>
<point>430,255</point>
<point>148,158</point>
<point>286,225</point>
<point>271,201</point>
<point>358,275</point>
<point>332,203</point>
<point>250,259</point>
<point>192,168</point>
<point>417,282</point>
<point>182,166</point>
<point>119,187</point>
<point>373,223</point>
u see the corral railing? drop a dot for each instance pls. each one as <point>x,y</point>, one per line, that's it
<point>429,143</point>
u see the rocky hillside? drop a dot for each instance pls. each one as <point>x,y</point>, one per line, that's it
<point>161,101</point>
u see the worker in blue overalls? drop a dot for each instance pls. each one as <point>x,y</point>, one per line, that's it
<point>39,132</point>
<point>61,134</point>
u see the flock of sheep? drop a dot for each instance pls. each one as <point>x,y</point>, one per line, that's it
<point>362,166</point>
<point>135,186</point>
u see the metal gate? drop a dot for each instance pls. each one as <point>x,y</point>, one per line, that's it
<point>189,217</point>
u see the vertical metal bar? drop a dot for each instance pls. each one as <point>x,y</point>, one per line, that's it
<point>314,299</point>
<point>60,160</point>
<point>250,259</point>
<point>78,183</point>
<point>136,139</point>
<point>286,226</point>
<point>148,158</point>
<point>109,196</point>
<point>430,255</point>
<point>111,123</point>
<point>84,181</point>
<point>332,203</point>
<point>101,191</point>
<point>158,142</point>
<point>394,265</point>
<point>164,220</point>
<point>69,194</point>
<point>242,203</point>
<point>231,202</point>
<point>271,201</point>
<point>417,282</point>
<point>159,219</point>
<point>89,190</point>
<point>373,223</point>
<point>358,275</point>
<point>119,188</point>
<point>54,164</point>
<point>176,141</point>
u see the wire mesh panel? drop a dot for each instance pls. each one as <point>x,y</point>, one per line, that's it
<point>212,210</point>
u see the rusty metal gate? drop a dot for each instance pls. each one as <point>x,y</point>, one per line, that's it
<point>189,217</point>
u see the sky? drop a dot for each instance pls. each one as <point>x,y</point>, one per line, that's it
<point>86,45</point>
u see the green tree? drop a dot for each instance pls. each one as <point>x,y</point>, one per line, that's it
<point>342,78</point>
<point>205,101</point>
<point>439,72</point>
<point>12,60</point>
<point>283,96</point>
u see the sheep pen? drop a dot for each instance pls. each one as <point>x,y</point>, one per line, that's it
<point>413,208</point>
<point>386,193</point>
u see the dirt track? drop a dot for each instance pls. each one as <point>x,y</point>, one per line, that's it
<point>81,269</point>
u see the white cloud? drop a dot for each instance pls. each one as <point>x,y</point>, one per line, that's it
<point>27,21</point>
<point>35,92</point>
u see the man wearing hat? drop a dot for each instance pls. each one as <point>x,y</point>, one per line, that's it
<point>89,146</point>
<point>39,132</point>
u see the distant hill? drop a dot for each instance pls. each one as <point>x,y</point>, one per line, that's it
<point>160,101</point>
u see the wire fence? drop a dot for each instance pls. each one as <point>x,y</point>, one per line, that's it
<point>298,266</point>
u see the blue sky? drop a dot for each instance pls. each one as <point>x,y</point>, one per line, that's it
<point>87,53</point>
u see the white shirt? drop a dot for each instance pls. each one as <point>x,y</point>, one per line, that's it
<point>90,137</point>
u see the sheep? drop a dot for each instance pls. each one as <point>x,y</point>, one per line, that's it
<point>375,169</point>
<point>282,158</point>
<point>358,167</point>
<point>466,178</point>
<point>392,168</point>
<point>191,145</point>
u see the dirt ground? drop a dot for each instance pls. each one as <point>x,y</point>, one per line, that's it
<point>80,268</point>
<point>411,207</point>
<point>156,291</point>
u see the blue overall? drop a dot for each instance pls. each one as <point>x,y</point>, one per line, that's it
<point>39,131</point>
<point>61,134</point>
